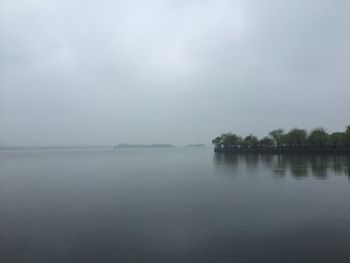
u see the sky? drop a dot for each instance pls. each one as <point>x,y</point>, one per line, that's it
<point>180,72</point>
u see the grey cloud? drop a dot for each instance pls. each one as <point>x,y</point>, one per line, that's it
<point>170,71</point>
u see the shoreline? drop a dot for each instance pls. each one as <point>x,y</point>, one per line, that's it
<point>345,151</point>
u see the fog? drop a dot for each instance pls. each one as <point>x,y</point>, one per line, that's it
<point>106,72</point>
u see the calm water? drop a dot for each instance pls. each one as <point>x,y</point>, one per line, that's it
<point>173,205</point>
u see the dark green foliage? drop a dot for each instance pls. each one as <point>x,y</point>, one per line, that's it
<point>250,141</point>
<point>266,142</point>
<point>336,139</point>
<point>318,138</point>
<point>296,138</point>
<point>231,140</point>
<point>347,136</point>
<point>217,142</point>
<point>277,136</point>
<point>227,140</point>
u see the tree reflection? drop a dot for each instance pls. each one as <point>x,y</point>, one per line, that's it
<point>226,159</point>
<point>297,165</point>
<point>319,166</point>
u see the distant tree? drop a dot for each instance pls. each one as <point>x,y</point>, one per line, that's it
<point>277,136</point>
<point>318,138</point>
<point>217,142</point>
<point>266,142</point>
<point>251,141</point>
<point>296,137</point>
<point>347,136</point>
<point>336,139</point>
<point>231,140</point>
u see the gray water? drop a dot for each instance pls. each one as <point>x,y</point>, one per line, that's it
<point>172,205</point>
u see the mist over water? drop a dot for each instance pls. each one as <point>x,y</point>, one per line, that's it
<point>78,78</point>
<point>179,72</point>
<point>172,205</point>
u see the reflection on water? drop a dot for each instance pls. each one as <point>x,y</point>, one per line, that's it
<point>172,205</point>
<point>296,165</point>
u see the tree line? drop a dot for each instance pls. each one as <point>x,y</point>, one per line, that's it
<point>317,138</point>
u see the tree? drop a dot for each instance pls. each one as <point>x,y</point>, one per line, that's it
<point>217,142</point>
<point>277,136</point>
<point>318,138</point>
<point>266,142</point>
<point>251,141</point>
<point>231,140</point>
<point>296,137</point>
<point>347,136</point>
<point>336,139</point>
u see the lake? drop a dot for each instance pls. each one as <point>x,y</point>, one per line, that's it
<point>173,205</point>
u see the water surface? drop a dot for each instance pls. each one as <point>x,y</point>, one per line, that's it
<point>173,205</point>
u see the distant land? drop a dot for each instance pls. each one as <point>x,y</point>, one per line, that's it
<point>52,147</point>
<point>125,145</point>
<point>195,145</point>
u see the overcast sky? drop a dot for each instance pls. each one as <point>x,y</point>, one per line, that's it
<point>105,72</point>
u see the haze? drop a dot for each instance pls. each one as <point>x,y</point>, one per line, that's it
<point>105,72</point>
